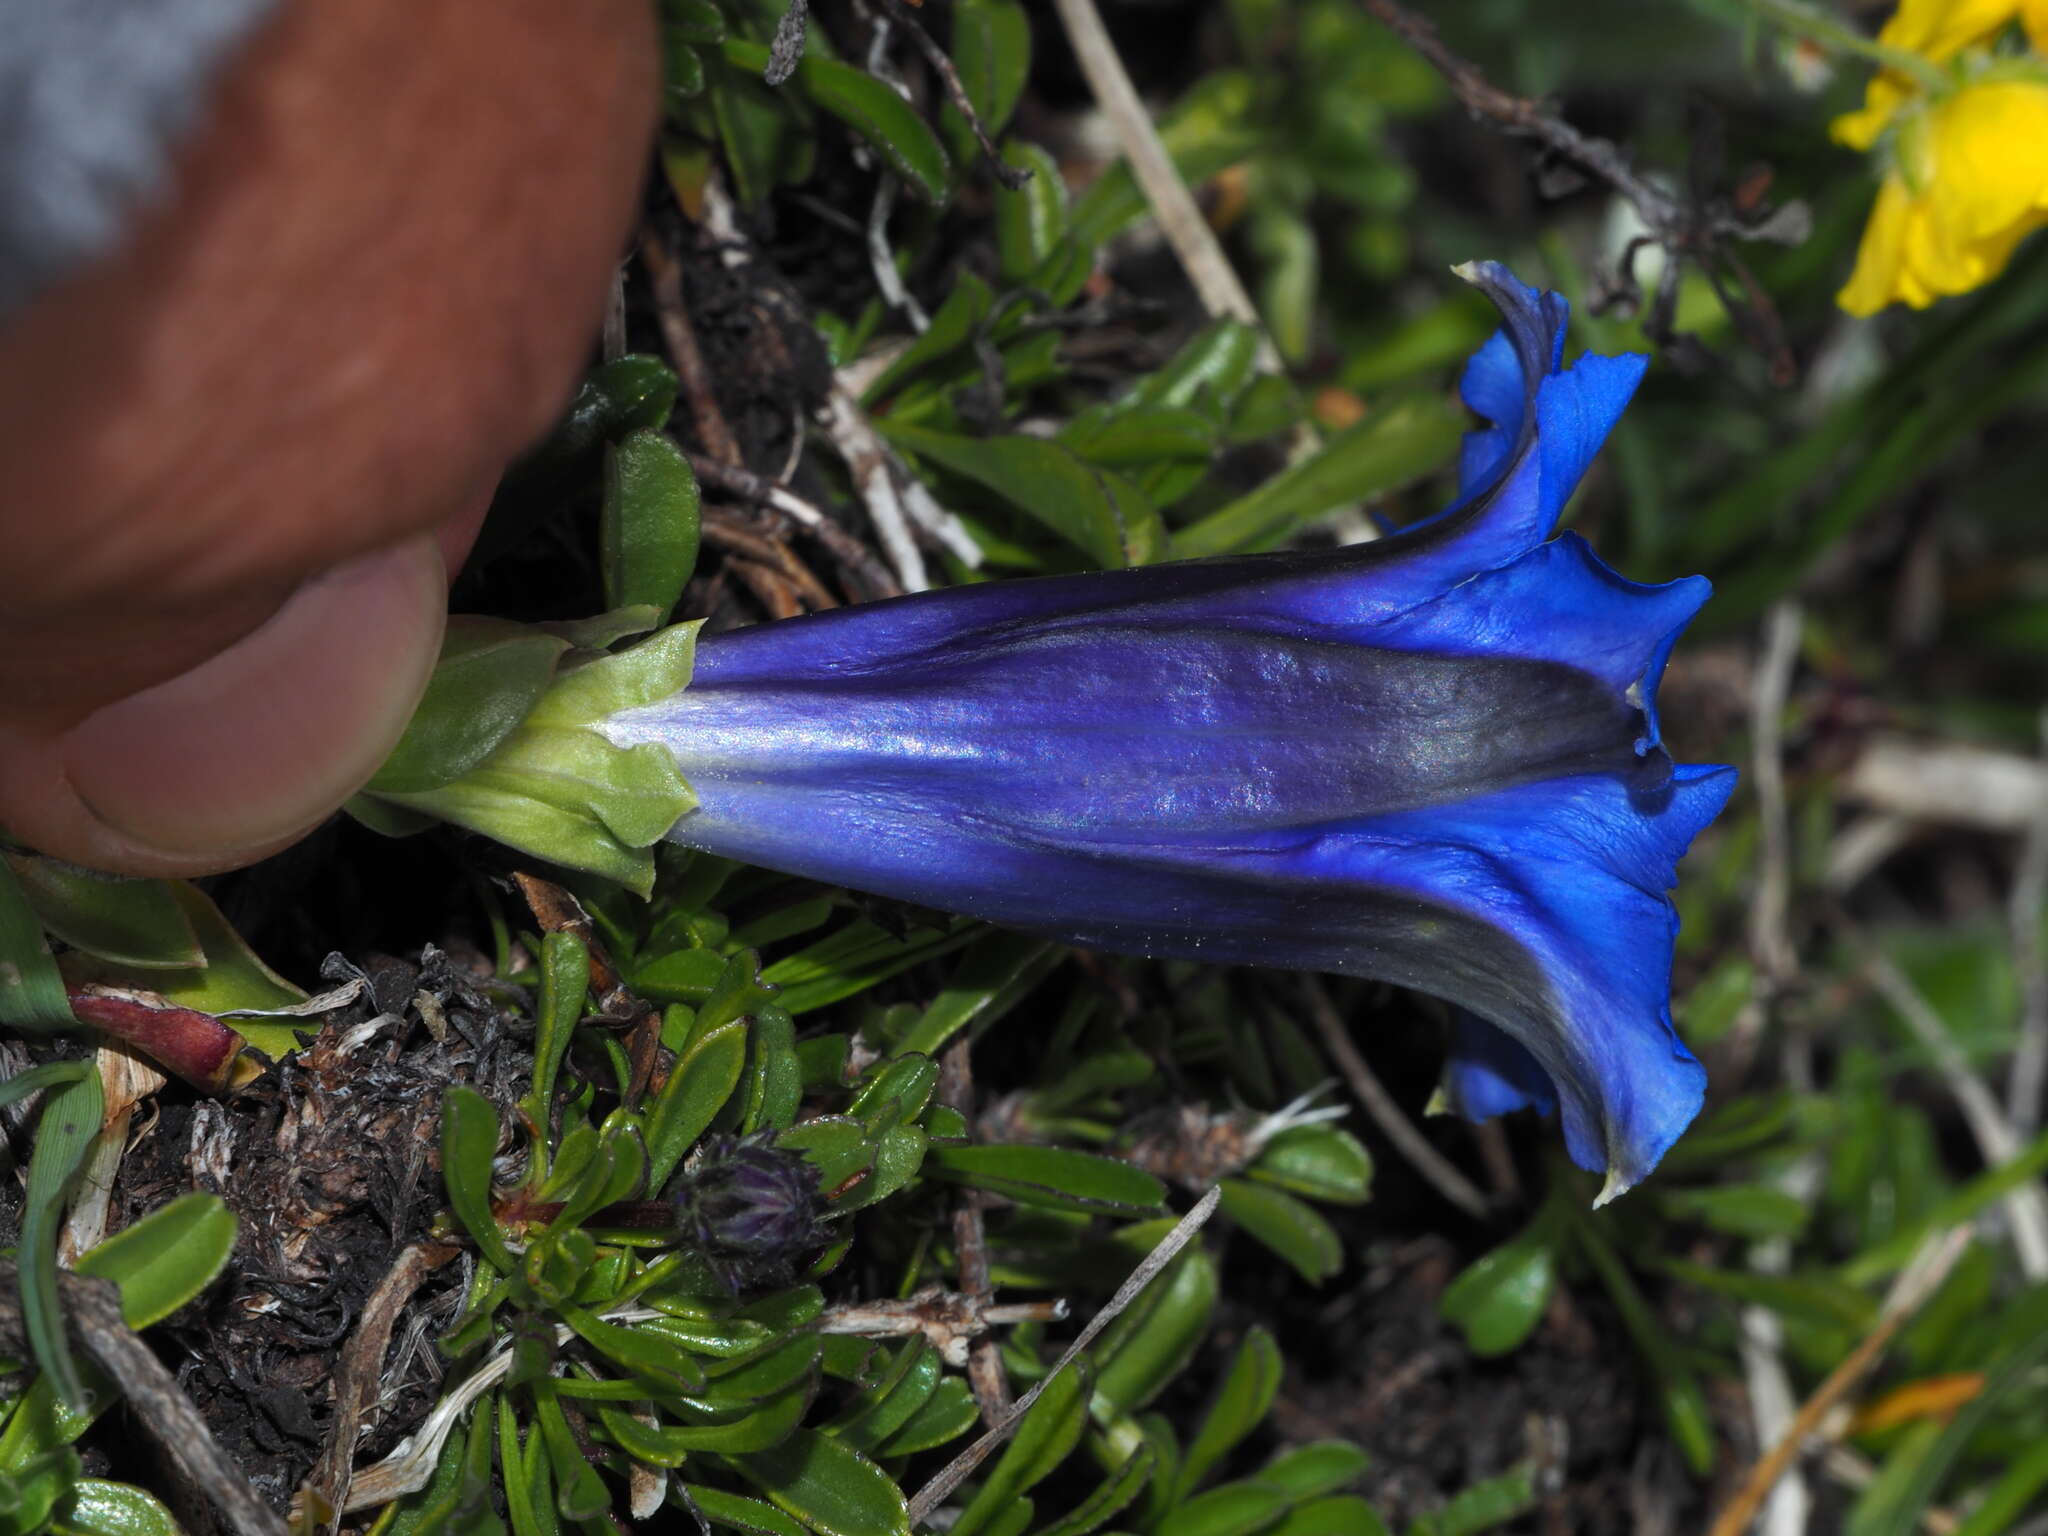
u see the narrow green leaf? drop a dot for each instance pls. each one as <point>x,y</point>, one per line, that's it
<point>775,1080</point>
<point>564,992</point>
<point>992,52</point>
<point>31,991</point>
<point>1292,1229</point>
<point>1032,219</point>
<point>1343,1515</point>
<point>1235,1509</point>
<point>1056,1177</point>
<point>947,1414</point>
<point>953,326</point>
<point>995,974</point>
<point>1153,1341</point>
<point>469,1141</point>
<point>1046,1437</point>
<point>1323,1162</point>
<point>696,1090</point>
<point>738,1513</point>
<point>1098,511</point>
<point>1239,1405</point>
<point>1111,1495</point>
<point>1393,447</point>
<point>65,1132</point>
<point>1313,1470</point>
<point>834,1490</point>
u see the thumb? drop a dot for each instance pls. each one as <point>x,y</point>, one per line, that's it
<point>247,751</point>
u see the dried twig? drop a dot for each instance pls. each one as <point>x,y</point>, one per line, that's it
<point>1010,176</point>
<point>1386,1114</point>
<point>93,1308</point>
<point>2024,910</point>
<point>867,459</point>
<point>665,278</point>
<point>779,498</point>
<point>961,1467</point>
<point>1922,1278</point>
<point>360,1371</point>
<point>2026,1206</point>
<point>729,531</point>
<point>1681,228</point>
<point>985,1373</point>
<point>952,1322</point>
<point>1193,242</point>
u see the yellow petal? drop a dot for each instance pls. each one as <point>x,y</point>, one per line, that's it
<point>1880,260</point>
<point>1941,29</point>
<point>1860,129</point>
<point>2034,17</point>
<point>1988,147</point>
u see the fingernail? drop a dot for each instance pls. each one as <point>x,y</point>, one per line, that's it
<point>265,740</point>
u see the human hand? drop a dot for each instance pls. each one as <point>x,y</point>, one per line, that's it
<point>240,453</point>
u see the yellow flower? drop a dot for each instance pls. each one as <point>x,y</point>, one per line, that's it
<point>1970,181</point>
<point>1937,30</point>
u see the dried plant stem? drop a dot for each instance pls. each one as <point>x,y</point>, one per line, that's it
<point>961,1467</point>
<point>780,499</point>
<point>665,277</point>
<point>1194,244</point>
<point>1385,1113</point>
<point>1010,176</point>
<point>985,1372</point>
<point>2024,912</point>
<point>2026,1207</point>
<point>93,1309</point>
<point>1922,1278</point>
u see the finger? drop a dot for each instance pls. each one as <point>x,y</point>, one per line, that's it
<point>246,752</point>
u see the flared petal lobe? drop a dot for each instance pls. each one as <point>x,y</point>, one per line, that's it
<point>1434,759</point>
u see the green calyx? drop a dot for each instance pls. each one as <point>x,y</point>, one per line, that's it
<point>506,743</point>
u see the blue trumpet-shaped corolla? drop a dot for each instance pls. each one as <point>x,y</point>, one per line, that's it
<point>1431,759</point>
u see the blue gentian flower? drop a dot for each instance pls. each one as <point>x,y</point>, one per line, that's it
<point>1433,759</point>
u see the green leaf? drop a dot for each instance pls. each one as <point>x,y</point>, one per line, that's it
<point>1055,1177</point>
<point>856,957</point>
<point>1393,447</point>
<point>833,1489</point>
<point>524,1474</point>
<point>1323,1162</point>
<point>738,1513</point>
<point>953,326</point>
<point>1344,1515</point>
<point>1098,511</point>
<point>1235,1509</point>
<point>469,1141</point>
<point>1142,436</point>
<point>691,1098</point>
<point>1032,219</point>
<point>871,109</point>
<point>65,1132</point>
<point>1499,1298</point>
<point>838,1147</point>
<point>1240,1405</point>
<point>1047,1435</point>
<point>878,1413</point>
<point>101,1508</point>
<point>165,1259</point>
<point>31,991</point>
<point>1153,1341</point>
<point>1114,1493</point>
<point>947,1414</point>
<point>904,1083</point>
<point>1678,1388</point>
<point>775,1081</point>
<point>648,522</point>
<point>490,676</point>
<point>1482,1506</point>
<point>994,976</point>
<point>1211,369</point>
<point>1293,1230</point>
<point>126,922</point>
<point>1755,1211</point>
<point>992,52</point>
<point>564,992</point>
<point>1311,1471</point>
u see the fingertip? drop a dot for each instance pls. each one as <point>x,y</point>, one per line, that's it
<point>250,750</point>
